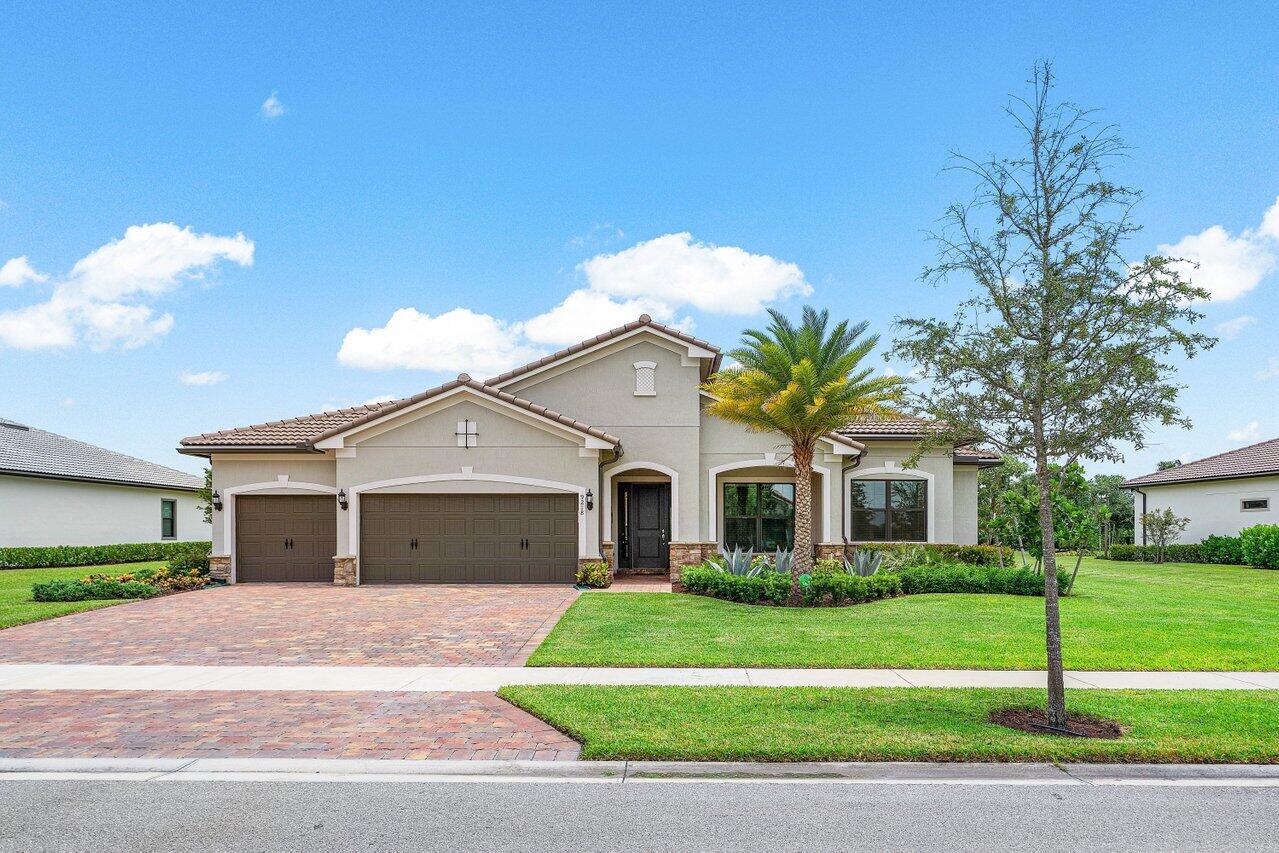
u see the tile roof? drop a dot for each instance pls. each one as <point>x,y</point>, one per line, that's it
<point>644,320</point>
<point>977,456</point>
<point>1251,461</point>
<point>34,452</point>
<point>305,431</point>
<point>907,427</point>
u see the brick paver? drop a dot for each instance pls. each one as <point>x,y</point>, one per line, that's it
<point>303,625</point>
<point>285,724</point>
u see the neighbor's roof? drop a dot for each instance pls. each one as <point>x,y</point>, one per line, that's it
<point>302,433</point>
<point>644,320</point>
<point>1255,460</point>
<point>32,452</point>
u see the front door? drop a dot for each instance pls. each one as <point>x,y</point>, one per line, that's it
<point>644,512</point>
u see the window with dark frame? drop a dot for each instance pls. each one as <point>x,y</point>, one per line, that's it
<point>168,519</point>
<point>1254,504</point>
<point>759,516</point>
<point>888,510</point>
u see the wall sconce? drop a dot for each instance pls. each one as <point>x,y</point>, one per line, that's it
<point>217,501</point>
<point>342,498</point>
<point>590,499</point>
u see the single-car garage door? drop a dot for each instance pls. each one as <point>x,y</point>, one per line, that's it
<point>285,537</point>
<point>472,538</point>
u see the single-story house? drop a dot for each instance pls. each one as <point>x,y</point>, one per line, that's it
<point>55,490</point>
<point>603,450</point>
<point>1221,494</point>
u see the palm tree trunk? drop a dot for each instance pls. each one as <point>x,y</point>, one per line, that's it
<point>802,456</point>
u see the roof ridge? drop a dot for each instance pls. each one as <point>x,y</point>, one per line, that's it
<point>1219,455</point>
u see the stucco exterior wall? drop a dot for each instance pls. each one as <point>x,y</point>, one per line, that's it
<point>37,512</point>
<point>964,502</point>
<point>233,471</point>
<point>1213,507</point>
<point>884,459</point>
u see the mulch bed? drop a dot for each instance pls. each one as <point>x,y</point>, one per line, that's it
<point>1035,721</point>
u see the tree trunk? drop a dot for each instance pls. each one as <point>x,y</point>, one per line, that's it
<point>1079,558</point>
<point>1052,613</point>
<point>802,456</point>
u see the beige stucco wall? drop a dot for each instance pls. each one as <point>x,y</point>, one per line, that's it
<point>232,471</point>
<point>965,504</point>
<point>1213,507</point>
<point>36,512</point>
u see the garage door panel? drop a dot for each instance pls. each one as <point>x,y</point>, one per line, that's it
<point>285,537</point>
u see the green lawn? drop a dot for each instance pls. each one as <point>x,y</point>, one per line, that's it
<point>17,608</point>
<point>1123,616</point>
<point>898,724</point>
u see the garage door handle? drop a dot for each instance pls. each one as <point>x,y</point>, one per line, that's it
<point>413,544</point>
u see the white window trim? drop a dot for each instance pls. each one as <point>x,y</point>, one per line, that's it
<point>895,473</point>
<point>716,502</point>
<point>468,434</point>
<point>651,367</point>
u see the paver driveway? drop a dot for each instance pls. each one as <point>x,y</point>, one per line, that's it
<point>303,625</point>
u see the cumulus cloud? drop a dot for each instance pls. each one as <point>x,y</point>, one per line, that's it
<point>18,271</point>
<point>1247,434</point>
<point>1231,329</point>
<point>661,277</point>
<point>272,107</point>
<point>207,377</point>
<point>104,300</point>
<point>1229,266</point>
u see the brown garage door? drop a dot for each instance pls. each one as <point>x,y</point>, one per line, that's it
<point>285,538</point>
<point>468,538</point>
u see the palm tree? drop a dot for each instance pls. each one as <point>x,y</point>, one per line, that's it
<point>803,382</point>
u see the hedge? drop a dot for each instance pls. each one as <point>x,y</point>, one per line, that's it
<point>973,555</point>
<point>1261,545</point>
<point>766,586</point>
<point>952,577</point>
<point>97,555</point>
<point>836,589</point>
<point>85,590</point>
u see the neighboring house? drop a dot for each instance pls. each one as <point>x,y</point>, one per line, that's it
<point>602,450</point>
<point>58,491</point>
<point>1220,495</point>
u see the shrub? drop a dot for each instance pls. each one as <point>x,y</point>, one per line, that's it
<point>956,577</point>
<point>595,575</point>
<point>709,579</point>
<point>843,588</point>
<point>975,555</point>
<point>1227,550</point>
<point>91,589</point>
<point>1260,545</point>
<point>95,555</point>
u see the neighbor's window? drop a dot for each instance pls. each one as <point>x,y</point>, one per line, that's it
<point>760,516</point>
<point>168,519</point>
<point>889,510</point>
<point>1254,504</point>
<point>645,379</point>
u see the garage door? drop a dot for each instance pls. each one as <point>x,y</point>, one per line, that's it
<point>285,538</point>
<point>468,538</point>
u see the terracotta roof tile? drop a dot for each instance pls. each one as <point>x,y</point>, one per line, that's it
<point>1251,461</point>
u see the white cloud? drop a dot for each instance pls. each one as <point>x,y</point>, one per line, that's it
<point>455,340</point>
<point>18,271</point>
<point>103,300</point>
<point>1249,433</point>
<point>674,270</point>
<point>660,277</point>
<point>1228,267</point>
<point>272,107</point>
<point>1271,370</point>
<point>207,377</point>
<point>1231,329</point>
<point>382,398</point>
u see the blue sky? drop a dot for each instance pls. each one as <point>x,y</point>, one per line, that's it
<point>323,169</point>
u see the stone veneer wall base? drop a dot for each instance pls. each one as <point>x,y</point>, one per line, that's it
<point>344,570</point>
<point>220,567</point>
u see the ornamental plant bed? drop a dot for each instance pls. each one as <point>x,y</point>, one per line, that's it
<point>1035,721</point>
<point>183,573</point>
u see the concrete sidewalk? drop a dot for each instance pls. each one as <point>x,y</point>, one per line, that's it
<point>490,678</point>
<point>618,772</point>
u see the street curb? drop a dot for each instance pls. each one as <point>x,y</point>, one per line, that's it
<point>620,772</point>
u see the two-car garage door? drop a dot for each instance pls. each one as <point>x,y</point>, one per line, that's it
<point>468,538</point>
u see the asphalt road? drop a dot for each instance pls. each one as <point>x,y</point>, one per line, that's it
<point>101,815</point>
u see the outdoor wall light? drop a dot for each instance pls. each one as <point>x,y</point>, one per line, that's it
<point>590,499</point>
<point>342,498</point>
<point>217,501</point>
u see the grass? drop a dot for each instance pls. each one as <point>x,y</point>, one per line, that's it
<point>898,724</point>
<point>1122,616</point>
<point>17,608</point>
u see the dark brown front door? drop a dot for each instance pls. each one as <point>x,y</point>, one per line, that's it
<point>644,511</point>
<point>285,537</point>
<point>477,538</point>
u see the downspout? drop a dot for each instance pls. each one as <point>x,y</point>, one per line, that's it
<point>599,484</point>
<point>843,498</point>
<point>1143,512</point>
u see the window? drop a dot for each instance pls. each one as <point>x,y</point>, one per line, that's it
<point>468,433</point>
<point>889,510</point>
<point>760,516</point>
<point>1254,504</point>
<point>645,379</point>
<point>168,519</point>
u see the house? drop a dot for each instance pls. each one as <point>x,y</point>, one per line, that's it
<point>58,491</point>
<point>603,450</point>
<point>1220,495</point>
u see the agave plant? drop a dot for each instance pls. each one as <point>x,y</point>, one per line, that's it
<point>907,558</point>
<point>784,561</point>
<point>864,563</point>
<point>741,563</point>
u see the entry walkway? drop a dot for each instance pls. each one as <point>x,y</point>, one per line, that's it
<point>448,679</point>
